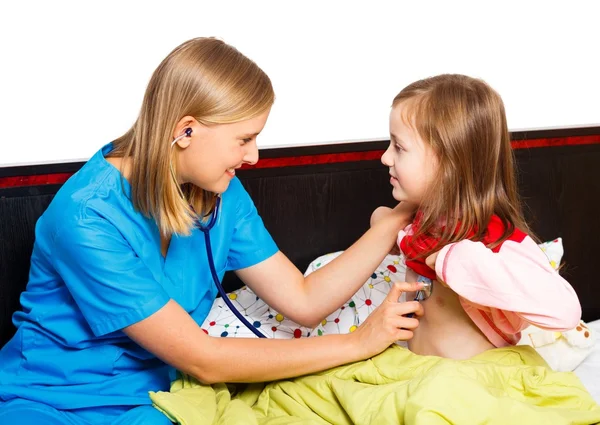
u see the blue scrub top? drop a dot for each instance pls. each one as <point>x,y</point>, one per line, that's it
<point>96,268</point>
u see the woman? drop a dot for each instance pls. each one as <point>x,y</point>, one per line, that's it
<point>120,281</point>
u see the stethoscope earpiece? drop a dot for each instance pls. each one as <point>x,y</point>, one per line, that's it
<point>186,133</point>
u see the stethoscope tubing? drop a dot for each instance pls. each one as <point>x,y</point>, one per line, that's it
<point>211,263</point>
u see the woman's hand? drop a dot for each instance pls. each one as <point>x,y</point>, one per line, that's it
<point>400,211</point>
<point>379,213</point>
<point>405,209</point>
<point>388,323</point>
<point>377,216</point>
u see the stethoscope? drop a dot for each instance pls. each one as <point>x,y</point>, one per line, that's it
<point>205,226</point>
<point>424,293</point>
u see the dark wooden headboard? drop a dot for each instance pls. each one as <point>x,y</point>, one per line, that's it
<point>318,199</point>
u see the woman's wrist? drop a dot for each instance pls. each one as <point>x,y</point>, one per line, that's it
<point>355,346</point>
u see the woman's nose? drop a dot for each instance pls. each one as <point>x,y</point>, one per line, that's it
<point>251,156</point>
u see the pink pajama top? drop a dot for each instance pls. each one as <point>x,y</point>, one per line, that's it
<point>503,289</point>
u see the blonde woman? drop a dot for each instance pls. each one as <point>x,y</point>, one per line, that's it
<point>120,280</point>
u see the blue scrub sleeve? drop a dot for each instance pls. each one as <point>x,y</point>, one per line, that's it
<point>251,242</point>
<point>110,284</point>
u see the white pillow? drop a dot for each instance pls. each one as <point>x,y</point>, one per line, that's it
<point>563,351</point>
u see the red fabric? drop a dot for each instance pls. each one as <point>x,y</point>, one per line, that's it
<point>411,247</point>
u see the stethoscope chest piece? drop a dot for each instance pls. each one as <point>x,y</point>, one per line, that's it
<point>427,290</point>
<point>423,294</point>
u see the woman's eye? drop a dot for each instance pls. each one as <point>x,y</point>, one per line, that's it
<point>248,140</point>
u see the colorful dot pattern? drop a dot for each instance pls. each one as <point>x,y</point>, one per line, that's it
<point>222,322</point>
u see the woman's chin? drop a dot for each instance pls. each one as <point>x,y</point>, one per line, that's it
<point>218,186</point>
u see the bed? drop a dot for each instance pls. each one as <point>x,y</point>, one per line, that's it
<point>338,186</point>
<point>589,370</point>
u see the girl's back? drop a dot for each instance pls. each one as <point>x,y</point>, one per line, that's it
<point>445,330</point>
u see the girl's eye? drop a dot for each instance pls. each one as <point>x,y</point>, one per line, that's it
<point>248,140</point>
<point>399,148</point>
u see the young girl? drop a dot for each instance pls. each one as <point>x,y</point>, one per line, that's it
<point>120,280</point>
<point>450,153</point>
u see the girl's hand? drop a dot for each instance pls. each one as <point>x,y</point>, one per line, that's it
<point>430,261</point>
<point>388,323</point>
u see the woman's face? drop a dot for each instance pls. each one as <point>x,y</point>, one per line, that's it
<point>209,158</point>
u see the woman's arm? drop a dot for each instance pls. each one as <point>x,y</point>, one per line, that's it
<point>308,300</point>
<point>173,336</point>
<point>115,290</point>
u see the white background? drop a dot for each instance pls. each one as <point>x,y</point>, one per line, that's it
<point>73,73</point>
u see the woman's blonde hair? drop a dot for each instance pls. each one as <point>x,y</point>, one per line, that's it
<point>464,122</point>
<point>204,78</point>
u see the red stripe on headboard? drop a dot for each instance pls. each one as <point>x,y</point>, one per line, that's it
<point>35,180</point>
<point>327,158</point>
<point>556,141</point>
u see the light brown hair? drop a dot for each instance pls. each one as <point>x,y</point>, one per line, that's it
<point>204,78</point>
<point>464,122</point>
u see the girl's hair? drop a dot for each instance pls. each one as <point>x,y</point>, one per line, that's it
<point>463,120</point>
<point>204,78</point>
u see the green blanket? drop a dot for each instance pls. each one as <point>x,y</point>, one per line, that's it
<point>502,386</point>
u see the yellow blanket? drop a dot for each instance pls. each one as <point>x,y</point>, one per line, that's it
<point>502,386</point>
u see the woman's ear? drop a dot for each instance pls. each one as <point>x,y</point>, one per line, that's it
<point>186,127</point>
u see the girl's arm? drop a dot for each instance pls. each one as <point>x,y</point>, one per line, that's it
<point>173,336</point>
<point>307,300</point>
<point>518,278</point>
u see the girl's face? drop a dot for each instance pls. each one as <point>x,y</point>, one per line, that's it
<point>411,161</point>
<point>209,158</point>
